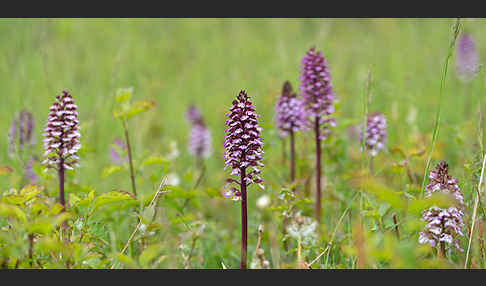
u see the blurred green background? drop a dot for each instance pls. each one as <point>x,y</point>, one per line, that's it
<point>207,61</point>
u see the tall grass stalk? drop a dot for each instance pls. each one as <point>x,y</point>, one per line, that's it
<point>476,203</point>
<point>366,102</point>
<point>456,29</point>
<point>130,160</point>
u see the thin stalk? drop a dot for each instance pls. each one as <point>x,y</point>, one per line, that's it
<point>132,173</point>
<point>442,249</point>
<point>284,153</point>
<point>476,203</point>
<point>318,171</point>
<point>395,221</point>
<point>153,204</point>
<point>201,175</point>
<point>292,157</point>
<point>366,102</point>
<point>439,106</point>
<point>292,181</point>
<point>60,173</point>
<point>244,220</point>
<point>31,249</point>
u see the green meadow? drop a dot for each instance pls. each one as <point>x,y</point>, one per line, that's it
<point>393,66</point>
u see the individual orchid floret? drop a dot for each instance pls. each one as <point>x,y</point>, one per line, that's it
<point>316,90</point>
<point>443,226</point>
<point>243,144</point>
<point>467,58</point>
<point>289,112</point>
<point>375,133</point>
<point>61,135</point>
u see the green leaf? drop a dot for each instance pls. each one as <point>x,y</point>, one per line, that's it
<point>110,171</point>
<point>12,211</point>
<point>155,160</point>
<point>125,260</point>
<point>112,197</point>
<point>134,109</point>
<point>123,94</point>
<point>150,253</point>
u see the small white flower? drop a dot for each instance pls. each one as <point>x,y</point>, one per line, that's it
<point>263,202</point>
<point>172,179</point>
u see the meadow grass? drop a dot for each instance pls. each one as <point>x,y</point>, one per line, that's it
<point>176,62</point>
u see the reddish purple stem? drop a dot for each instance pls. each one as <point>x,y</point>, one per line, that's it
<point>318,171</point>
<point>244,220</point>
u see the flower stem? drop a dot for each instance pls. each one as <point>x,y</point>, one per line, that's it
<point>318,171</point>
<point>244,220</point>
<point>395,221</point>
<point>132,173</point>
<point>61,184</point>
<point>442,249</point>
<point>292,157</point>
<point>292,181</point>
<point>31,249</point>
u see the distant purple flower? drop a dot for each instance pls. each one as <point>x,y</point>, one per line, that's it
<point>199,137</point>
<point>200,141</point>
<point>289,112</point>
<point>316,90</point>
<point>466,58</point>
<point>61,137</point>
<point>375,133</point>
<point>193,115</point>
<point>443,225</point>
<point>243,144</point>
<point>116,157</point>
<point>20,132</point>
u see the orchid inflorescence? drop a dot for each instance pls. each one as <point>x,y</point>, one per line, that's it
<point>21,132</point>
<point>289,112</point>
<point>375,138</point>
<point>316,90</point>
<point>243,144</point>
<point>61,142</point>
<point>467,59</point>
<point>199,137</point>
<point>443,225</point>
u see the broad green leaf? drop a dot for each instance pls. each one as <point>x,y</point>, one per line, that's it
<point>112,197</point>
<point>30,191</point>
<point>126,261</point>
<point>153,160</point>
<point>150,253</point>
<point>110,171</point>
<point>134,109</point>
<point>40,227</point>
<point>12,211</point>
